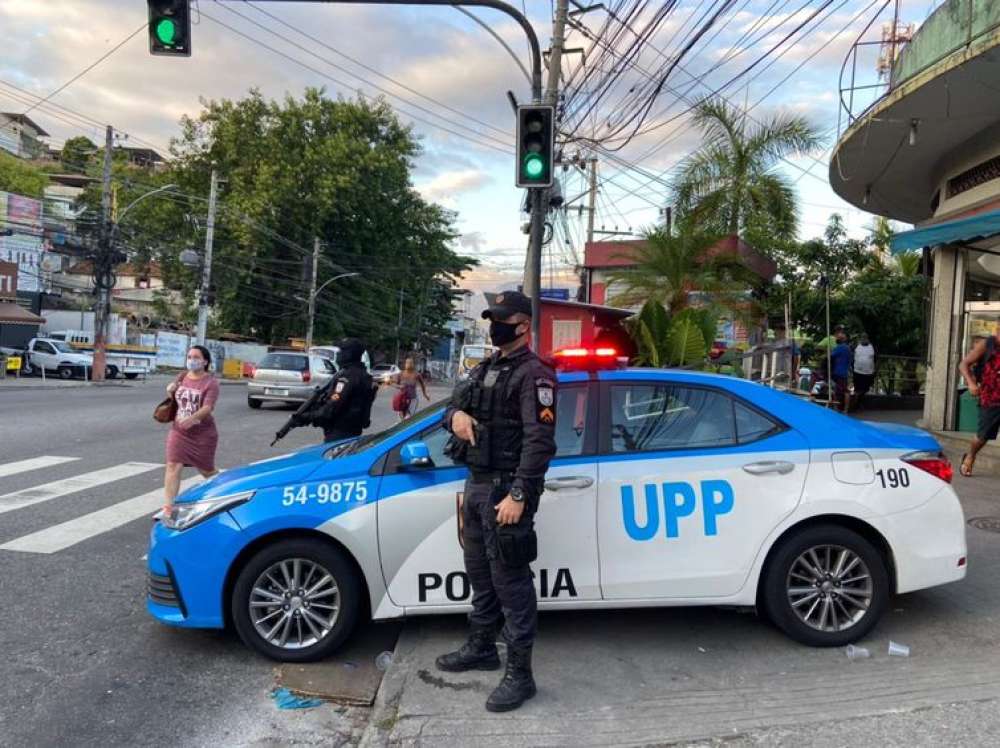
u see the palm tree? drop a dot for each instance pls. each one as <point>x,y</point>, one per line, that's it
<point>667,268</point>
<point>731,183</point>
<point>908,264</point>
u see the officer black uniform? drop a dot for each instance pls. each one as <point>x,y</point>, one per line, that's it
<point>512,398</point>
<point>347,411</point>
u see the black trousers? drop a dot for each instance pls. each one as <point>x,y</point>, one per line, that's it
<point>335,433</point>
<point>500,593</point>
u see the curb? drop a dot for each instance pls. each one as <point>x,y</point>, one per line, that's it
<point>72,386</point>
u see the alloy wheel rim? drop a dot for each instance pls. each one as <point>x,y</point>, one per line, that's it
<point>829,588</point>
<point>294,603</point>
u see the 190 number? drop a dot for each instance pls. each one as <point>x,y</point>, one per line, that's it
<point>894,478</point>
<point>326,493</point>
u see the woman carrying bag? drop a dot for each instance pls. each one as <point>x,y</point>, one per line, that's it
<point>193,437</point>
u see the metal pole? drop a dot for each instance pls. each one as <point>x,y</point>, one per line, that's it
<point>206,269</point>
<point>829,350</point>
<point>102,265</point>
<point>312,294</point>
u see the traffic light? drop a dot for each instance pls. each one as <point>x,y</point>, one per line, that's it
<point>169,27</point>
<point>535,141</point>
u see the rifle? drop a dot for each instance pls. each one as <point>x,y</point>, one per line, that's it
<point>296,419</point>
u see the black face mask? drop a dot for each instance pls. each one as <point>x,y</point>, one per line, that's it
<point>502,333</point>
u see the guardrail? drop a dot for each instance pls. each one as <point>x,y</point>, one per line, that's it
<point>899,375</point>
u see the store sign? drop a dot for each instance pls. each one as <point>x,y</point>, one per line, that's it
<point>8,281</point>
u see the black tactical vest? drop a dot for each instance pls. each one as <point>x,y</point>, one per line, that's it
<point>500,430</point>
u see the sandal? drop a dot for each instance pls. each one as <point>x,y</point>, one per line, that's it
<point>966,467</point>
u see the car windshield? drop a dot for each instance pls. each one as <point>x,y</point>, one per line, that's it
<point>284,362</point>
<point>368,441</point>
<point>62,347</point>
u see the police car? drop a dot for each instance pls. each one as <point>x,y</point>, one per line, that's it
<point>669,488</point>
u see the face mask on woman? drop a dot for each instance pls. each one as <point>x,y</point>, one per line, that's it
<point>195,364</point>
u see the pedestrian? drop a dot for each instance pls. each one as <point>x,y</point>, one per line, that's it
<point>346,411</point>
<point>407,381</point>
<point>981,370</point>
<point>864,369</point>
<point>840,365</point>
<point>192,438</point>
<point>503,426</point>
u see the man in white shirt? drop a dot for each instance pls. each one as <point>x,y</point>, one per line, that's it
<point>864,368</point>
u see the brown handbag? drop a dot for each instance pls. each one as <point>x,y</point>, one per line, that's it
<point>166,411</point>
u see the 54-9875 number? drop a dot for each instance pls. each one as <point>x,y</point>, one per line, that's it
<point>326,493</point>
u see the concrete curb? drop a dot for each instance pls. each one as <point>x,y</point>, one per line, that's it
<point>23,387</point>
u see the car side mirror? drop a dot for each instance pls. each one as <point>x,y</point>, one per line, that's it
<point>415,456</point>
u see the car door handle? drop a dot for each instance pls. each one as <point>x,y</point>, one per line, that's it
<point>769,466</point>
<point>573,481</point>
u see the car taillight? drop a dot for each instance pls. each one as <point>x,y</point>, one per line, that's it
<point>934,463</point>
<point>586,358</point>
<point>306,376</point>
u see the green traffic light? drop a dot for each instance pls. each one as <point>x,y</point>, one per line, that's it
<point>533,166</point>
<point>166,31</point>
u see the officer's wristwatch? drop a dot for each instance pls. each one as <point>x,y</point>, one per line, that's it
<point>517,494</point>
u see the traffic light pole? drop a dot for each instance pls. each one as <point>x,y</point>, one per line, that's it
<point>103,277</point>
<point>206,268</point>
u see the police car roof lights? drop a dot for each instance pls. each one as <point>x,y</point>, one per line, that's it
<point>589,359</point>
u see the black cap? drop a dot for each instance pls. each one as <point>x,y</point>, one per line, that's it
<point>507,303</point>
<point>351,351</point>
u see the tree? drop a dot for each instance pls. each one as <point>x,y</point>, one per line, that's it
<point>20,178</point>
<point>881,235</point>
<point>76,155</point>
<point>730,184</point>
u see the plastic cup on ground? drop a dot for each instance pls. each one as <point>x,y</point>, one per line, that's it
<point>898,650</point>
<point>857,653</point>
<point>383,661</point>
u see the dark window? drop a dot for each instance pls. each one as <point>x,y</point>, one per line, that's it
<point>284,362</point>
<point>571,420</point>
<point>647,417</point>
<point>44,348</point>
<point>752,425</point>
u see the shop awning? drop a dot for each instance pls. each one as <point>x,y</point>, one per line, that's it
<point>13,314</point>
<point>964,229</point>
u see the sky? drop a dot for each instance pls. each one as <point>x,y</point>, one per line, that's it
<point>449,79</point>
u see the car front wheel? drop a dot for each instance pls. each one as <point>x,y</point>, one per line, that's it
<point>65,372</point>
<point>826,586</point>
<point>255,404</point>
<point>296,600</point>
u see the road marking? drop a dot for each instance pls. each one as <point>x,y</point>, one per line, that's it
<point>71,532</point>
<point>35,463</point>
<point>29,496</point>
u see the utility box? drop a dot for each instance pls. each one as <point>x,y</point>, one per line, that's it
<point>232,368</point>
<point>968,413</point>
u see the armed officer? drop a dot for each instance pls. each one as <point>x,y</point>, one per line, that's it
<point>502,422</point>
<point>346,411</point>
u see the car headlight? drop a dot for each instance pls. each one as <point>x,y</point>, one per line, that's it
<point>185,515</point>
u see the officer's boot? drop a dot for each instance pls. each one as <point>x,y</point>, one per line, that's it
<point>478,653</point>
<point>518,684</point>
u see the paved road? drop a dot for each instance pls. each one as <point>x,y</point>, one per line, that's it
<point>80,660</point>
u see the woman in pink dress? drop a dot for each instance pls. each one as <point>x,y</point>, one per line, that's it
<point>192,439</point>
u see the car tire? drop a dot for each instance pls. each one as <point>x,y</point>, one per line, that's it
<point>313,555</point>
<point>826,586</point>
<point>255,404</point>
<point>111,372</point>
<point>65,372</point>
<point>132,375</point>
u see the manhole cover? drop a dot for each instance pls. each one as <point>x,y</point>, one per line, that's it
<point>990,524</point>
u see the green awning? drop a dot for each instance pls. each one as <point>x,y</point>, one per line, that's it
<point>964,229</point>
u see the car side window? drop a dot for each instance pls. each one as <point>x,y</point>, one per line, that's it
<point>571,420</point>
<point>752,425</point>
<point>44,348</point>
<point>649,417</point>
<point>436,439</point>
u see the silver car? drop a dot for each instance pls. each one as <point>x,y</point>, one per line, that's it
<point>288,377</point>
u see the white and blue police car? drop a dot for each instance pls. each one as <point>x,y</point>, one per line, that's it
<point>669,488</point>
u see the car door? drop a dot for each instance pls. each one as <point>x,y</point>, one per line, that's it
<point>419,516</point>
<point>44,355</point>
<point>692,481</point>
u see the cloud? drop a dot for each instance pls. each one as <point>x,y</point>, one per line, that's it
<point>474,241</point>
<point>447,186</point>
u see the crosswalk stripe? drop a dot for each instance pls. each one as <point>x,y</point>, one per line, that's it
<point>71,532</point>
<point>35,463</point>
<point>28,496</point>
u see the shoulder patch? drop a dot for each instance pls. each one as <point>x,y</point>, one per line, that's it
<point>545,397</point>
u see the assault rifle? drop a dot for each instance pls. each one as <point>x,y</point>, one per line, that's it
<point>317,398</point>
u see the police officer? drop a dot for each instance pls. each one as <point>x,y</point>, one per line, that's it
<point>346,412</point>
<point>503,427</point>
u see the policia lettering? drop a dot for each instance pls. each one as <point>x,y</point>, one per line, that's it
<point>551,583</point>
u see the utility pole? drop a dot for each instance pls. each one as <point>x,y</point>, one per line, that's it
<point>592,200</point>
<point>312,294</point>
<point>206,267</point>
<point>103,274</point>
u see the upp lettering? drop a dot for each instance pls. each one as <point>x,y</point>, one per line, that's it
<point>678,501</point>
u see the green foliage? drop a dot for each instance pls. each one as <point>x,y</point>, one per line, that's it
<point>705,319</point>
<point>649,330</point>
<point>77,155</point>
<point>685,343</point>
<point>663,340</point>
<point>731,183</point>
<point>21,178</point>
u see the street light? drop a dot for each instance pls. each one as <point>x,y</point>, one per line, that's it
<point>312,304</point>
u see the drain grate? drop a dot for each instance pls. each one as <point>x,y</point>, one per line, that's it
<point>989,524</point>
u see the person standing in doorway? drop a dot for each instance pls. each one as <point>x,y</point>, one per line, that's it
<point>193,438</point>
<point>864,369</point>
<point>981,369</point>
<point>407,382</point>
<point>840,365</point>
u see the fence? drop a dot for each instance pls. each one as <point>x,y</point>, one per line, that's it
<point>899,375</point>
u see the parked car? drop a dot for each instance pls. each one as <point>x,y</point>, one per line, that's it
<point>384,373</point>
<point>288,377</point>
<point>56,356</point>
<point>668,488</point>
<point>330,353</point>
